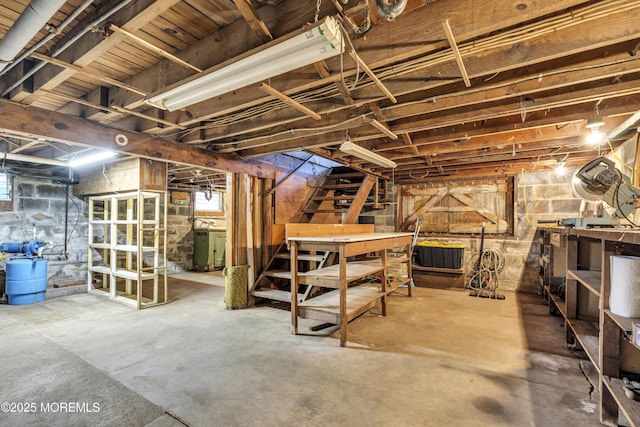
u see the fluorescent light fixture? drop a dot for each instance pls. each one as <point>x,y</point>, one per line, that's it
<point>91,158</point>
<point>364,154</point>
<point>323,40</point>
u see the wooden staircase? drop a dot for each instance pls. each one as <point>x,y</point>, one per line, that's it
<point>350,192</point>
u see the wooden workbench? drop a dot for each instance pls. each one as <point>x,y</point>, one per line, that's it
<point>345,303</point>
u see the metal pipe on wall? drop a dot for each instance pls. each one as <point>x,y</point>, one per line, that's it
<point>33,159</point>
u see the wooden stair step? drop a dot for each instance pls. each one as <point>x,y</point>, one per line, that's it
<point>346,175</point>
<point>341,186</point>
<point>281,274</point>
<point>345,197</point>
<point>302,257</point>
<point>272,294</point>
<point>326,211</point>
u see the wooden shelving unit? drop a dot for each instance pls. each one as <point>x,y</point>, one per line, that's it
<point>129,231</point>
<point>349,297</point>
<point>586,256</point>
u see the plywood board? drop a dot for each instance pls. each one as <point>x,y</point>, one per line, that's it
<point>123,176</point>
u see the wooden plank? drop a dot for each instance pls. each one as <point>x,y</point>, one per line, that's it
<point>123,176</point>
<point>89,73</point>
<point>154,48</point>
<point>251,16</point>
<point>588,278</point>
<point>326,307</point>
<point>587,335</point>
<point>456,52</point>
<point>294,288</point>
<point>329,277</point>
<point>290,101</point>
<point>357,243</point>
<point>358,202</point>
<point>272,294</point>
<point>630,408</point>
<point>302,229</point>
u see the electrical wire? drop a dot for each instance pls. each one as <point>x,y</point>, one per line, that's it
<point>616,195</point>
<point>524,196</point>
<point>485,278</point>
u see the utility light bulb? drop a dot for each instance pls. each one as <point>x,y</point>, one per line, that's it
<point>595,137</point>
<point>560,170</point>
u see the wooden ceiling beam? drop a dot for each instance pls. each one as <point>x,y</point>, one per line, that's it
<point>290,101</point>
<point>467,115</point>
<point>91,74</point>
<point>85,51</point>
<point>580,72</point>
<point>508,127</point>
<point>402,46</point>
<point>35,122</point>
<point>251,16</point>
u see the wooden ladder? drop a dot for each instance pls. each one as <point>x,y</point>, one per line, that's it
<point>349,192</point>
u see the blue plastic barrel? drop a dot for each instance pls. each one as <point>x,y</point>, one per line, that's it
<point>26,280</point>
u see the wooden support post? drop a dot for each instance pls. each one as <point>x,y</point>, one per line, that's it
<point>610,366</point>
<point>409,269</point>
<point>294,287</point>
<point>572,287</point>
<point>385,279</point>
<point>342,259</point>
<point>609,350</point>
<point>249,229</point>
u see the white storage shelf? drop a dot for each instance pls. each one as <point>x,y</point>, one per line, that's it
<point>123,220</point>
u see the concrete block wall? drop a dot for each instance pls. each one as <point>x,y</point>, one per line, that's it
<point>43,202</point>
<point>179,238</point>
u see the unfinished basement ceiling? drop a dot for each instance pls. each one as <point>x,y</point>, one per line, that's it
<point>449,88</point>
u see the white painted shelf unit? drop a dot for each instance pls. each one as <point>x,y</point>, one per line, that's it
<point>127,255</point>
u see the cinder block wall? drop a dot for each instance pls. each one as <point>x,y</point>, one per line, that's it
<point>44,203</point>
<point>547,197</point>
<point>179,237</point>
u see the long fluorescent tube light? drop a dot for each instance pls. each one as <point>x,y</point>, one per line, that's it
<point>91,158</point>
<point>322,41</point>
<point>364,154</point>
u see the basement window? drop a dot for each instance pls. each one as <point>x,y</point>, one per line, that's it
<point>5,187</point>
<point>208,202</point>
<point>6,196</point>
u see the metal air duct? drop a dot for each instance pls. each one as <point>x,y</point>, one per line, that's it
<point>34,17</point>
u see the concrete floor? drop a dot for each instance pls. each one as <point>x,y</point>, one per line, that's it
<point>439,358</point>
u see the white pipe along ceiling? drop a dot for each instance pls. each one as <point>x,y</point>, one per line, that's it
<point>34,17</point>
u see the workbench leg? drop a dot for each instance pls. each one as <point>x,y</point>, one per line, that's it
<point>409,269</point>
<point>343,297</point>
<point>385,279</point>
<point>294,288</point>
